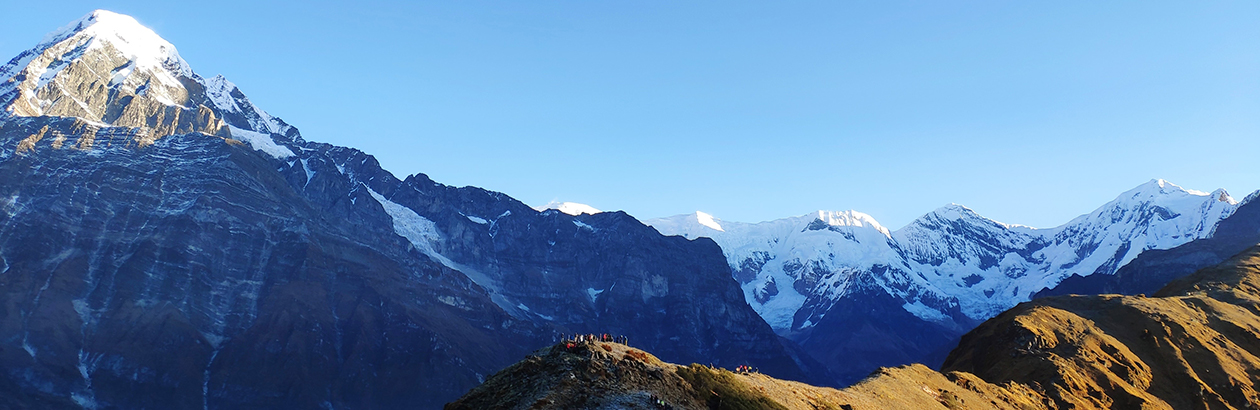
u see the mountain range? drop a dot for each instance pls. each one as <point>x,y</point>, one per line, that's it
<point>850,290</point>
<point>1191,345</point>
<point>167,244</point>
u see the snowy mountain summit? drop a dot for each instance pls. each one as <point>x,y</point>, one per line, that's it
<point>170,245</point>
<point>948,262</point>
<point>571,208</point>
<point>117,76</point>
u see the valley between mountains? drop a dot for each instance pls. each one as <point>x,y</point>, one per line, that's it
<point>167,244</point>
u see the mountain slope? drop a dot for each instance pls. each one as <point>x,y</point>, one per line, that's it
<point>118,261</point>
<point>1151,270</point>
<point>1194,345</point>
<point>944,272</point>
<point>166,244</point>
<point>615,376</point>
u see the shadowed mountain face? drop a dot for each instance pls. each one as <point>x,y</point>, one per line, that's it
<point>1194,344</point>
<point>602,273</point>
<point>869,329</point>
<point>189,273</point>
<point>147,262</point>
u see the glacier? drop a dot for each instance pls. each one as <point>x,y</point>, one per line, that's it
<point>793,269</point>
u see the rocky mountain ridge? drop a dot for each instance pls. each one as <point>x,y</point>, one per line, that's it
<point>167,244</point>
<point>1151,270</point>
<point>614,376</point>
<point>1192,345</point>
<point>822,279</point>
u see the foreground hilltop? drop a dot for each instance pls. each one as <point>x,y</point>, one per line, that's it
<point>1194,344</point>
<point>602,375</point>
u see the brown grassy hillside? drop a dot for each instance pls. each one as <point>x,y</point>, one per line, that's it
<point>615,376</point>
<point>1193,345</point>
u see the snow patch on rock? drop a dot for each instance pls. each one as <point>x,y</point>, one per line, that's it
<point>420,231</point>
<point>262,142</point>
<point>571,208</point>
<point>426,237</point>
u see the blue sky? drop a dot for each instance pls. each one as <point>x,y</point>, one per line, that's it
<point>1027,113</point>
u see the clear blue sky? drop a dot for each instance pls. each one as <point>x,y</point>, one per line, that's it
<point>1027,113</point>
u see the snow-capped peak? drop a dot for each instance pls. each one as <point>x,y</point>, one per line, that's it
<point>851,218</point>
<point>571,208</point>
<point>101,47</point>
<point>1222,195</point>
<point>104,48</point>
<point>1159,188</point>
<point>952,211</point>
<point>1156,187</point>
<point>219,90</point>
<point>225,96</point>
<point>708,220</point>
<point>148,86</point>
<point>136,42</point>
<point>960,213</point>
<point>950,261</point>
<point>693,225</point>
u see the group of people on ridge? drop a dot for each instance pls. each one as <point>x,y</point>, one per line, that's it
<point>604,337</point>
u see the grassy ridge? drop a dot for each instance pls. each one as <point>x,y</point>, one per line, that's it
<point>721,390</point>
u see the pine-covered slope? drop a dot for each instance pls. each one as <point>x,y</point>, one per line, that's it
<point>166,244</point>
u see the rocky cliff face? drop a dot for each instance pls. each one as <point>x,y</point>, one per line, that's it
<point>601,273</point>
<point>199,253</point>
<point>186,275</point>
